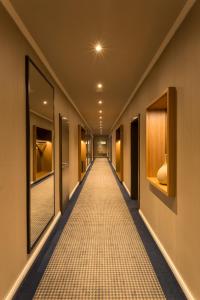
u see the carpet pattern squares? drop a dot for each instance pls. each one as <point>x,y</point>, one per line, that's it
<point>100,254</point>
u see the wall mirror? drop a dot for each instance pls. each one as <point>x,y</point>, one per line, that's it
<point>40,152</point>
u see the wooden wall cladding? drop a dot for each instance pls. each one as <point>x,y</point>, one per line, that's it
<point>119,152</point>
<point>161,140</point>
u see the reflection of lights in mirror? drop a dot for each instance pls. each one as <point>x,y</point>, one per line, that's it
<point>40,152</point>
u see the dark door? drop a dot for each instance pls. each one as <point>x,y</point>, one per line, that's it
<point>64,162</point>
<point>110,148</point>
<point>135,159</point>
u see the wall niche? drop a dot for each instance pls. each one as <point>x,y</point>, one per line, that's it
<point>161,142</point>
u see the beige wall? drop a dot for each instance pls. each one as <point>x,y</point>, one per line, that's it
<point>176,222</point>
<point>13,48</point>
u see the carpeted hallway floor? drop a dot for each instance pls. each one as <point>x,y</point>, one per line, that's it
<point>100,254</point>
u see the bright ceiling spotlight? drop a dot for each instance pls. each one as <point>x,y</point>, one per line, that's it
<point>100,102</point>
<point>98,48</point>
<point>100,117</point>
<point>100,111</point>
<point>99,85</point>
<point>45,102</point>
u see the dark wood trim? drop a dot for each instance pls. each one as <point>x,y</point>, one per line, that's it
<point>79,153</point>
<point>136,117</point>
<point>60,162</point>
<point>27,153</point>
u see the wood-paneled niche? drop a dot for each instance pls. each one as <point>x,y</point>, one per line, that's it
<point>82,152</point>
<point>161,140</point>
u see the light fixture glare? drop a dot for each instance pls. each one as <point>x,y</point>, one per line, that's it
<point>98,48</point>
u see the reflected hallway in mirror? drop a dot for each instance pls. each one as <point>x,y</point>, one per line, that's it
<point>40,152</point>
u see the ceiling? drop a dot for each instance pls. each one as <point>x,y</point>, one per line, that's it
<point>131,31</point>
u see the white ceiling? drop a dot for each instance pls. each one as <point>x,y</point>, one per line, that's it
<point>131,32</point>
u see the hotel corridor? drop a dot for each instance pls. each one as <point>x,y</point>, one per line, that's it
<point>99,159</point>
<point>100,254</point>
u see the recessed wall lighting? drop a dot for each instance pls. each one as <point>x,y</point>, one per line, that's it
<point>100,102</point>
<point>98,48</point>
<point>45,102</point>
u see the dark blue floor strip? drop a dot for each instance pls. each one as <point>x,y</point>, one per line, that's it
<point>30,283</point>
<point>168,282</point>
<point>165,276</point>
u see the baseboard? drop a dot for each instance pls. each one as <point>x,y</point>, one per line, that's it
<point>113,166</point>
<point>32,258</point>
<point>126,188</point>
<point>72,192</point>
<point>176,273</point>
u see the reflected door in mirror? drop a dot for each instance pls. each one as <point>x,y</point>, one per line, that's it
<point>40,152</point>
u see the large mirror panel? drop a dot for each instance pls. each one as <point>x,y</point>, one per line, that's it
<point>40,152</point>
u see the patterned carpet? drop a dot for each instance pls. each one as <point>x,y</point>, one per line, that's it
<point>100,254</point>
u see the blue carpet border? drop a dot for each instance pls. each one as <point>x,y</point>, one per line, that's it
<point>28,287</point>
<point>166,278</point>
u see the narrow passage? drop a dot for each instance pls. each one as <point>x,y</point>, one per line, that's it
<point>100,254</point>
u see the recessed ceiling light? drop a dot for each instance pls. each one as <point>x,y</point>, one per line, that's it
<point>100,117</point>
<point>98,48</point>
<point>100,102</point>
<point>45,102</point>
<point>100,111</point>
<point>99,85</point>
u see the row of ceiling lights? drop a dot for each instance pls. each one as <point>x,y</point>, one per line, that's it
<point>99,48</point>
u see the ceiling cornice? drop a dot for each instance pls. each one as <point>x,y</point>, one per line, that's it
<point>20,24</point>
<point>185,10</point>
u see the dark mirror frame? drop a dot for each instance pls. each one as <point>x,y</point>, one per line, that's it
<point>29,61</point>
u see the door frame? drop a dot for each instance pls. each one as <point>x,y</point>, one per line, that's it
<point>60,164</point>
<point>81,136</point>
<point>134,118</point>
<point>119,137</point>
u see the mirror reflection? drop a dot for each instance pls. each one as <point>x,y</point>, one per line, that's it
<point>41,152</point>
